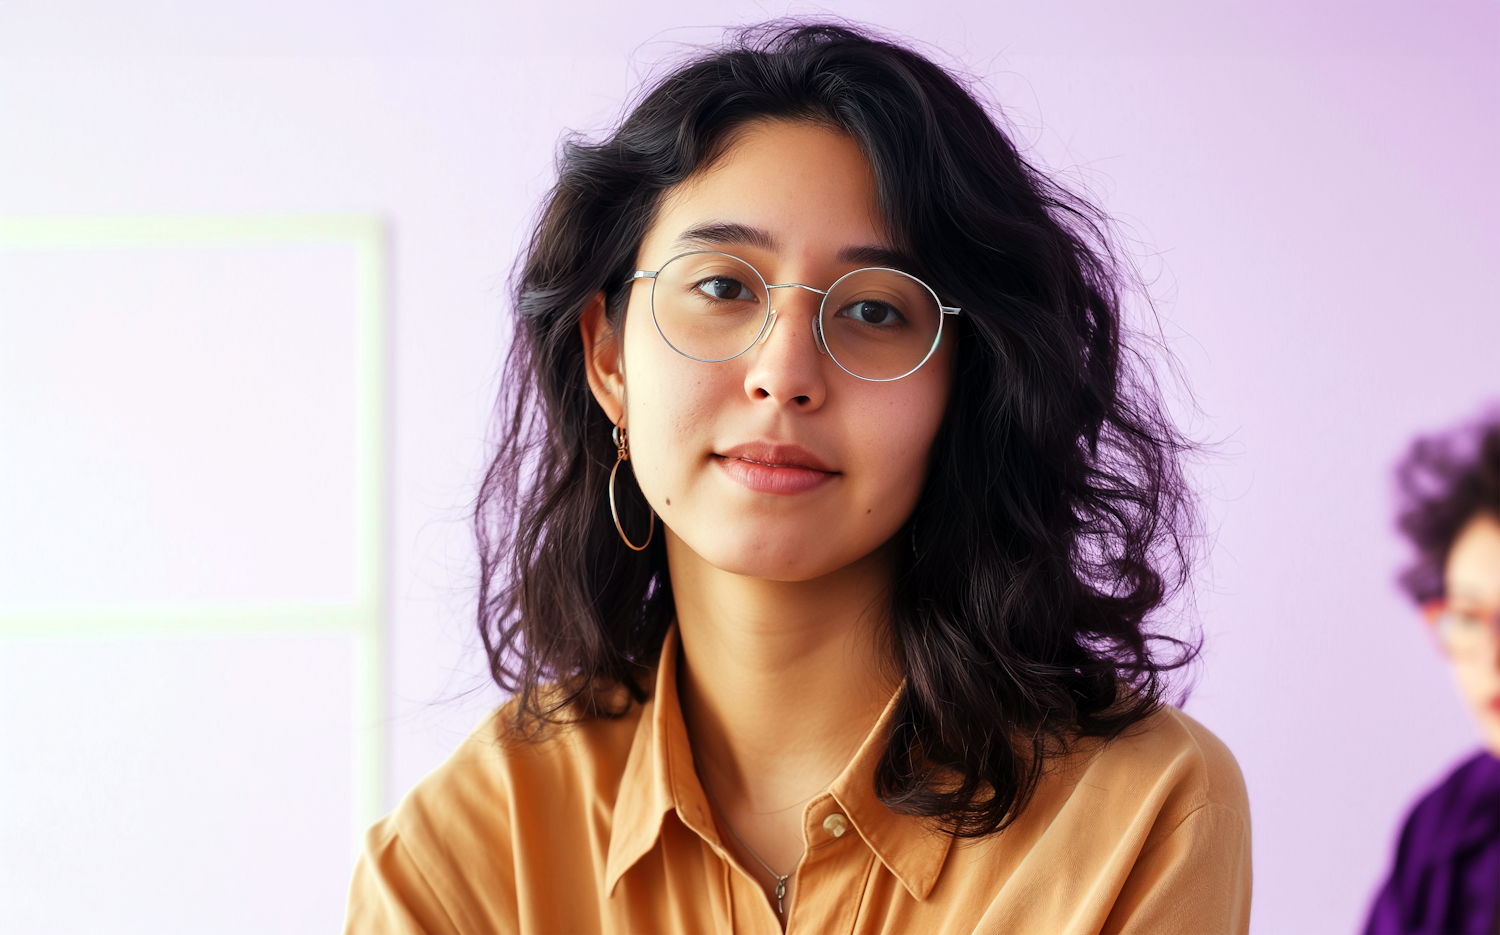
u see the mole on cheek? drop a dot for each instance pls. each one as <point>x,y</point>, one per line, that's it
<point>669,501</point>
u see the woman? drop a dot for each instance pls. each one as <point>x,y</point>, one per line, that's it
<point>819,545</point>
<point>1446,876</point>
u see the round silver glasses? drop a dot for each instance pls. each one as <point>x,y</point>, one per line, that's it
<point>877,324</point>
<point>1465,632</point>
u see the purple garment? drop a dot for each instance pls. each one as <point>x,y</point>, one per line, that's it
<point>1447,873</point>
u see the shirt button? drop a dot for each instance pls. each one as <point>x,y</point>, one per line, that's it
<point>836,824</point>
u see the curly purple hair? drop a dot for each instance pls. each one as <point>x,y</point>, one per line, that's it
<point>1445,481</point>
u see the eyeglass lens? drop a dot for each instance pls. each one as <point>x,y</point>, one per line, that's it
<point>879,324</point>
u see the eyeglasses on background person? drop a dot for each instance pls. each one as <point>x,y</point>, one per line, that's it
<point>1464,630</point>
<point>877,324</point>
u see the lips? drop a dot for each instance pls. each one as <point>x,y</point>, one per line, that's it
<point>766,467</point>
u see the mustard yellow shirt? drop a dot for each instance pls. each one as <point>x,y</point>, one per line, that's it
<point>603,827</point>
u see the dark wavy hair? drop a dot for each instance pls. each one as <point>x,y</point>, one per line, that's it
<point>1442,483</point>
<point>1054,518</point>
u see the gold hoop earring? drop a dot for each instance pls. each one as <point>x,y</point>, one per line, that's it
<point>622,446</point>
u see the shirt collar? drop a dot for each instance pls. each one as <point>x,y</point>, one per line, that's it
<point>660,778</point>
<point>911,849</point>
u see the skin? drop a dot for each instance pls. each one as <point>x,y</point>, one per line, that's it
<point>781,597</point>
<point>1472,577</point>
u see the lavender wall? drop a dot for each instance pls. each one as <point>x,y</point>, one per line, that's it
<point>1310,188</point>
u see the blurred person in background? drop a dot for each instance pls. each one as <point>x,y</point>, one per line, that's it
<point>1446,876</point>
<point>840,618</point>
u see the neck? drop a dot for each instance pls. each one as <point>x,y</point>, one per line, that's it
<point>780,683</point>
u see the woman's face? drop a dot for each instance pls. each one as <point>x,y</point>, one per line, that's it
<point>1472,579</point>
<point>775,464</point>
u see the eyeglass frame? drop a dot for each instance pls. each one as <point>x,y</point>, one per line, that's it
<point>770,317</point>
<point>1440,611</point>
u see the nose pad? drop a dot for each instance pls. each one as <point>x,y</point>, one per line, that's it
<point>818,340</point>
<point>770,325</point>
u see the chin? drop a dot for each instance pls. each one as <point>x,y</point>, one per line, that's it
<point>772,568</point>
<point>760,557</point>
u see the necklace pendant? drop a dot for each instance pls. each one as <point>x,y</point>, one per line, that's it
<point>780,895</point>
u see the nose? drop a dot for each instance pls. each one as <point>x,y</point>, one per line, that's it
<point>786,368</point>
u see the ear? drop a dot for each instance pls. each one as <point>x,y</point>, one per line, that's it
<point>602,359</point>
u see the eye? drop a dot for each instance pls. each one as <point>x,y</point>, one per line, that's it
<point>1468,619</point>
<point>726,288</point>
<point>871,312</point>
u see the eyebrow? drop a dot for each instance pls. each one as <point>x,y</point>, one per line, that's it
<point>876,255</point>
<point>720,235</point>
<point>729,234</point>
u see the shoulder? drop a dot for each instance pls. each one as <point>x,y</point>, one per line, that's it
<point>1179,810</point>
<point>1440,858</point>
<point>1155,822</point>
<point>497,761</point>
<point>1173,762</point>
<point>1466,802</point>
<point>451,852</point>
<point>495,765</point>
<point>1473,782</point>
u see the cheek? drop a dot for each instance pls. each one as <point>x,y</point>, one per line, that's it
<point>1478,682</point>
<point>917,412</point>
<point>893,433</point>
<point>670,401</point>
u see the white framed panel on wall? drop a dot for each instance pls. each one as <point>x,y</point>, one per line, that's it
<point>192,451</point>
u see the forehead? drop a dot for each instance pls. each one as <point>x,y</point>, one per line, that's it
<point>1473,568</point>
<point>810,187</point>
